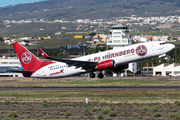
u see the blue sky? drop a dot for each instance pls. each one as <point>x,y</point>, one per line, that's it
<point>14,2</point>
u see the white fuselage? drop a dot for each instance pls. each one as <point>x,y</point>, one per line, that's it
<point>121,56</point>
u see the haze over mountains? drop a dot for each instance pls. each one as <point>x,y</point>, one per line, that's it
<point>89,9</point>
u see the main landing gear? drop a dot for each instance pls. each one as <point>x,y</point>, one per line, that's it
<point>100,75</point>
<point>92,75</point>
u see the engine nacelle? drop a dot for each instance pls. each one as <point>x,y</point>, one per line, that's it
<point>108,64</point>
<point>121,67</point>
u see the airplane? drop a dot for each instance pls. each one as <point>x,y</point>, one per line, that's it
<point>115,59</point>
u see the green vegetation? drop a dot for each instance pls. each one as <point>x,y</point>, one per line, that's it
<point>6,102</point>
<point>145,108</point>
<point>177,102</point>
<point>45,105</point>
<point>172,115</point>
<point>112,113</point>
<point>94,109</point>
<point>68,113</point>
<point>88,112</point>
<point>12,114</point>
<point>106,110</point>
<point>100,117</point>
<point>6,119</point>
<point>29,108</point>
<point>157,115</point>
<point>140,117</point>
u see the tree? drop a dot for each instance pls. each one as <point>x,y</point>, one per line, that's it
<point>92,34</point>
<point>1,39</point>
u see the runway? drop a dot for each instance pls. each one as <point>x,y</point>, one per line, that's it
<point>92,88</point>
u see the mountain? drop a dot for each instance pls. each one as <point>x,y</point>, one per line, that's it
<point>91,9</point>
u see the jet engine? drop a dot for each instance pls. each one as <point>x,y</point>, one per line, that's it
<point>110,64</point>
<point>121,67</point>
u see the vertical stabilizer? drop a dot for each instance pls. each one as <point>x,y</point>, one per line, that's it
<point>28,61</point>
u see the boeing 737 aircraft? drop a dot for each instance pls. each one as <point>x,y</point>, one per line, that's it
<point>116,59</point>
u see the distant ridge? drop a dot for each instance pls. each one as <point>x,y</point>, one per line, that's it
<point>91,9</point>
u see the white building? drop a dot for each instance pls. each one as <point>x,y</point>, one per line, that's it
<point>166,69</point>
<point>156,38</point>
<point>120,38</point>
<point>9,64</point>
<point>165,38</point>
<point>133,67</point>
<point>25,43</point>
<point>142,39</point>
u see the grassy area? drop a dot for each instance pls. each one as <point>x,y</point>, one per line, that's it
<point>108,96</point>
<point>106,104</point>
<point>125,104</point>
<point>88,82</point>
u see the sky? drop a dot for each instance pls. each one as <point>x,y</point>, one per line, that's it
<point>14,2</point>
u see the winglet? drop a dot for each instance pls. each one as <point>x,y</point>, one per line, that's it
<point>43,53</point>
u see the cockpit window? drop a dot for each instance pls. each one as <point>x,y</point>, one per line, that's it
<point>163,43</point>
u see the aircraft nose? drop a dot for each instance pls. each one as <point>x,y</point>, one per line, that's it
<point>171,46</point>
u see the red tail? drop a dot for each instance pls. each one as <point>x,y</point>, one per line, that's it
<point>28,60</point>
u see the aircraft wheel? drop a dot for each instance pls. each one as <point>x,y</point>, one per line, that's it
<point>100,75</point>
<point>92,75</point>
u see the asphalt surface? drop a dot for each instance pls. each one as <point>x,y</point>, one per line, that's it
<point>92,88</point>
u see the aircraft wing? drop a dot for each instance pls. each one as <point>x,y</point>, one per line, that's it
<point>78,63</point>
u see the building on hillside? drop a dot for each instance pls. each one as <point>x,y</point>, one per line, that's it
<point>78,46</point>
<point>25,43</point>
<point>96,36</point>
<point>142,39</point>
<point>63,28</point>
<point>104,39</point>
<point>78,36</point>
<point>156,38</point>
<point>136,38</point>
<point>165,38</point>
<point>149,38</point>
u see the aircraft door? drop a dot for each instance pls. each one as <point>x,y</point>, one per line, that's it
<point>153,47</point>
<point>43,73</point>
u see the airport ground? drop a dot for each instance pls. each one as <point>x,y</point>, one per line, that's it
<point>143,101</point>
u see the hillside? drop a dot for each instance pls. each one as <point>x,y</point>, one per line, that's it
<point>92,9</point>
<point>36,28</point>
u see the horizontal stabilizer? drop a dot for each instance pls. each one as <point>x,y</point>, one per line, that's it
<point>19,71</point>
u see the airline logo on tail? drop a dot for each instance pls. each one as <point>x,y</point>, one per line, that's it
<point>26,58</point>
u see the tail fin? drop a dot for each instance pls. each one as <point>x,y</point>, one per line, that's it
<point>28,61</point>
